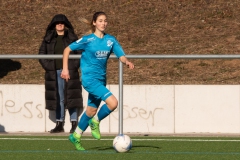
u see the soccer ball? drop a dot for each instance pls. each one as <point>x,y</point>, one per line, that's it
<point>122,143</point>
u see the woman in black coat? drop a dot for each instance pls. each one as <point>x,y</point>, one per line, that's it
<point>59,94</point>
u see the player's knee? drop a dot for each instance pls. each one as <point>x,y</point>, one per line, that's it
<point>91,111</point>
<point>112,103</point>
<point>116,104</point>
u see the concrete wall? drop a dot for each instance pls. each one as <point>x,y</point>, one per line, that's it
<point>147,109</point>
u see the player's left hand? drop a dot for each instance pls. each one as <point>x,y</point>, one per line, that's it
<point>130,65</point>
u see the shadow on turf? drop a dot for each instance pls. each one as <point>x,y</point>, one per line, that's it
<point>133,148</point>
<point>102,148</point>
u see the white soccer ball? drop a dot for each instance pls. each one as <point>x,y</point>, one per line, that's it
<point>122,143</point>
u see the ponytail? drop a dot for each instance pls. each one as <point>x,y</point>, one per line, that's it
<point>84,20</point>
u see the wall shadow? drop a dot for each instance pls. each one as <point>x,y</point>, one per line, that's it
<point>8,65</point>
<point>2,128</point>
<point>52,114</point>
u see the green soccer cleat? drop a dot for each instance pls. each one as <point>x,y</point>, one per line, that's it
<point>94,125</point>
<point>76,142</point>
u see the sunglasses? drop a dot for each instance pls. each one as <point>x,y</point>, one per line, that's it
<point>59,22</point>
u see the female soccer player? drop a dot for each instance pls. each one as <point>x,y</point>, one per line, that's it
<point>97,48</point>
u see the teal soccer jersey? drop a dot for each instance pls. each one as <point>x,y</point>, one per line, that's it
<point>96,52</point>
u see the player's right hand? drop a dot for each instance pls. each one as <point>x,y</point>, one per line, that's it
<point>130,64</point>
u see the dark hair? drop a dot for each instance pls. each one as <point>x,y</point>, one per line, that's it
<point>94,19</point>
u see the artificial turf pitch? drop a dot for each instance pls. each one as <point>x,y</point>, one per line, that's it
<point>187,148</point>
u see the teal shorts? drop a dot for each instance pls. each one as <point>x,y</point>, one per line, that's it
<point>97,92</point>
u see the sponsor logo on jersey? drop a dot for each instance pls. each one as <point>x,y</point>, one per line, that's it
<point>90,39</point>
<point>101,54</point>
<point>109,43</point>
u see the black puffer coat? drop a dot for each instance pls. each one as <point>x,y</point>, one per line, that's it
<point>73,88</point>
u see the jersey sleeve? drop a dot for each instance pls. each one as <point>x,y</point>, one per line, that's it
<point>117,49</point>
<point>78,45</point>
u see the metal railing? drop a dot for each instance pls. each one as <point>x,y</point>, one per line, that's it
<point>6,56</point>
<point>222,56</point>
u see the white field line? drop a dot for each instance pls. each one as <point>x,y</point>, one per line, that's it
<point>133,139</point>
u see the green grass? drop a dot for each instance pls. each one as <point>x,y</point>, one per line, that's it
<point>42,147</point>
